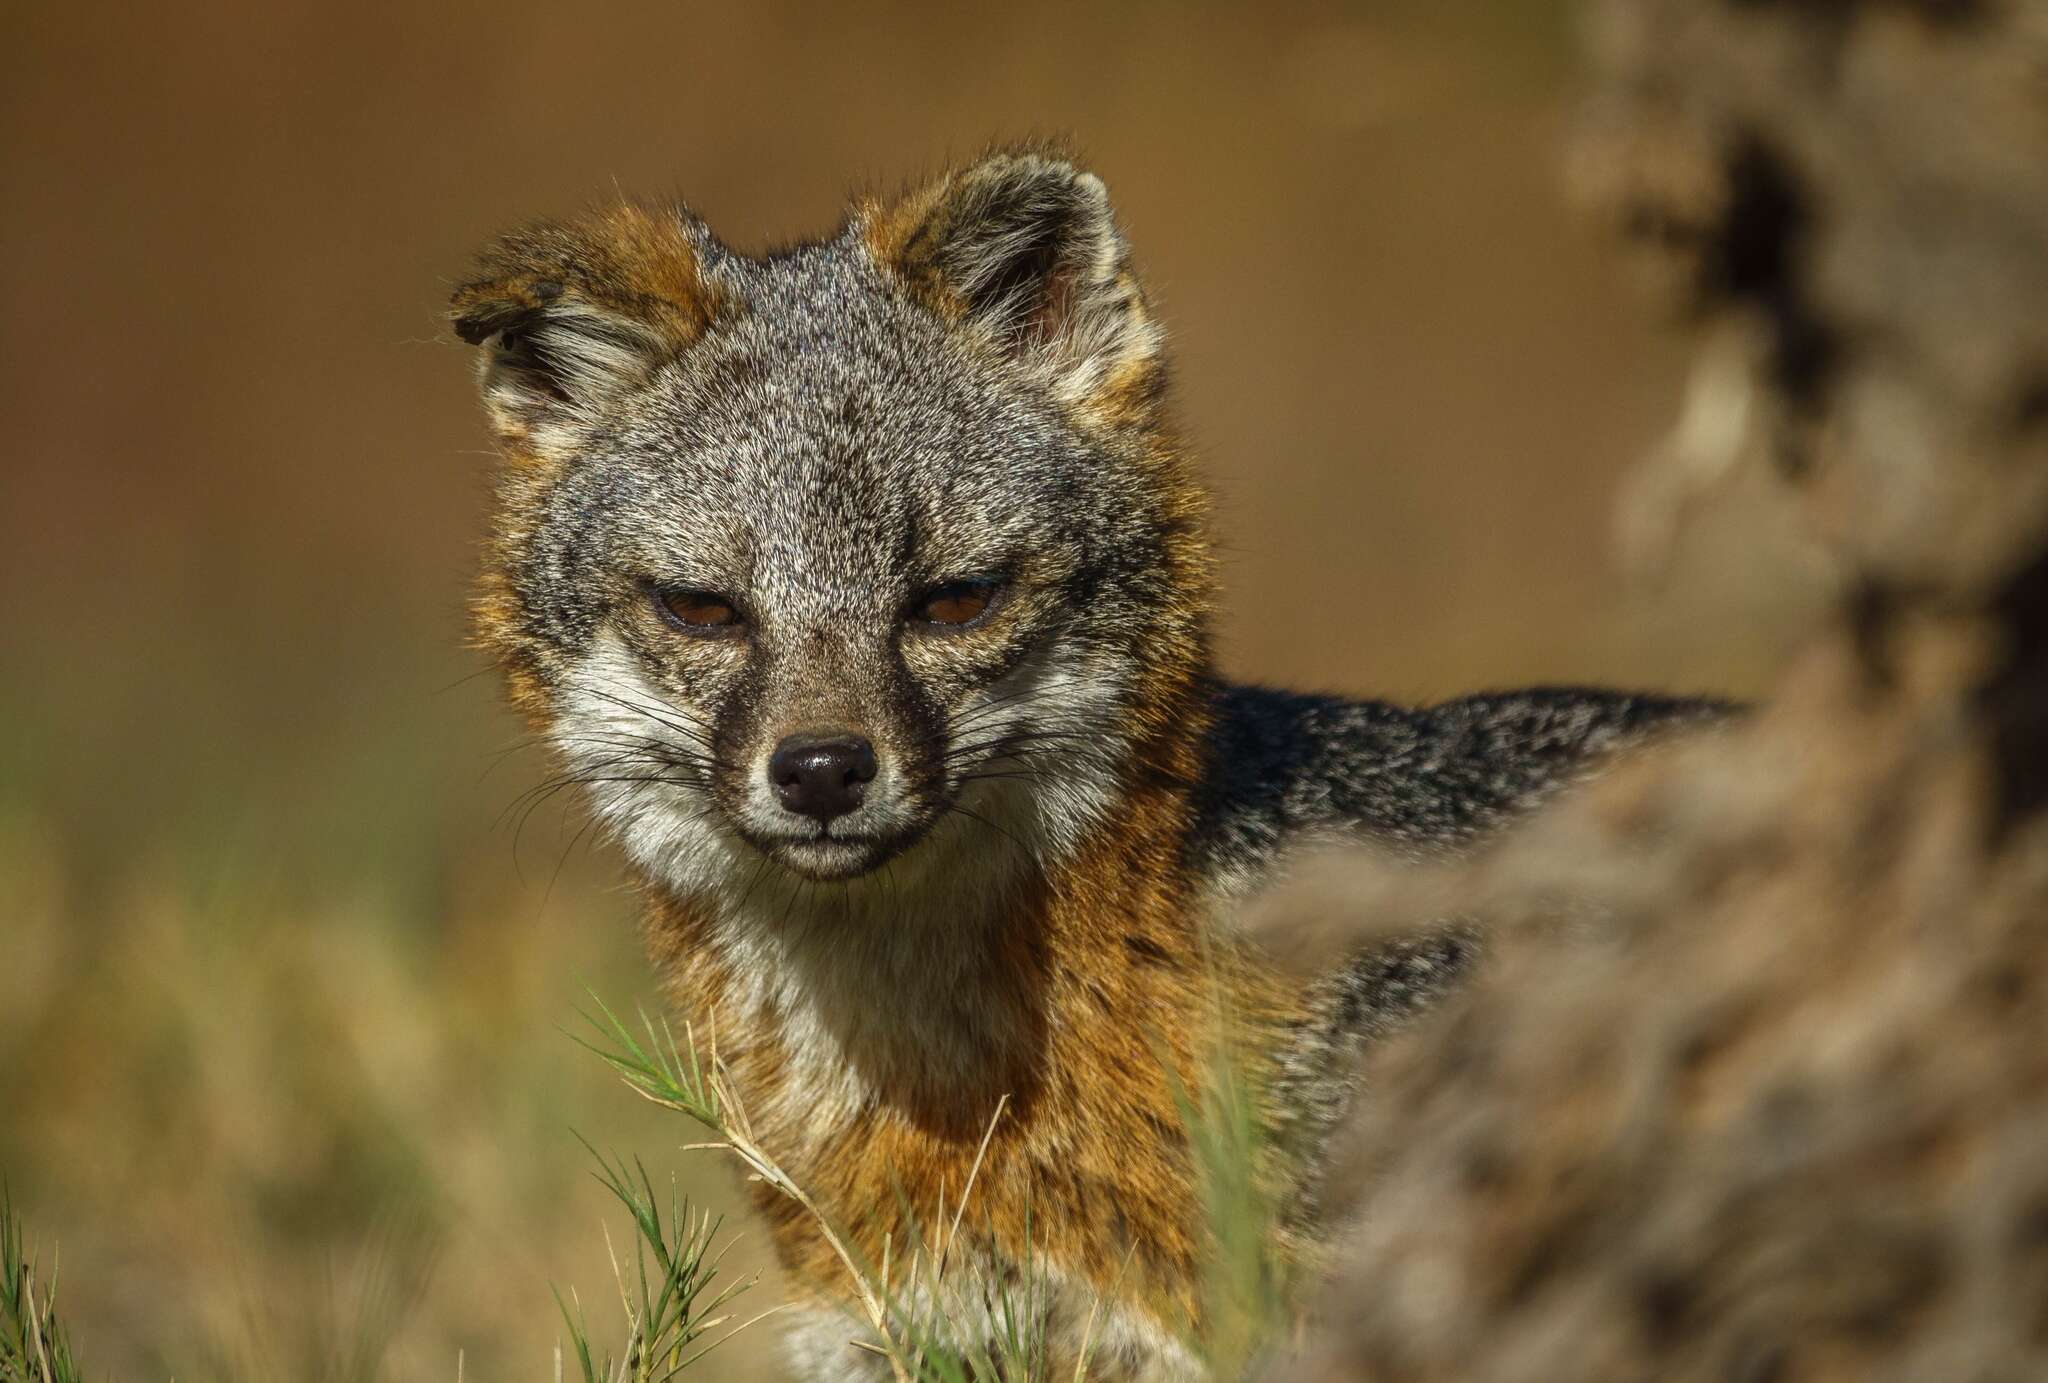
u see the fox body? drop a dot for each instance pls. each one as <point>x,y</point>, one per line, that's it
<point>868,588</point>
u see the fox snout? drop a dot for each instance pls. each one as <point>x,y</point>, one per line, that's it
<point>822,775</point>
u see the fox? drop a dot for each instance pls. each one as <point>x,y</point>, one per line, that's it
<point>867,587</point>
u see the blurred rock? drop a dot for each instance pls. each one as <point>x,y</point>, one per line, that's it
<point>1774,1106</point>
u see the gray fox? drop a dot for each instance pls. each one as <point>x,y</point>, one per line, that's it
<point>868,587</point>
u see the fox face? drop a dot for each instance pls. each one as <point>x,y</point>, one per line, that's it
<point>810,562</point>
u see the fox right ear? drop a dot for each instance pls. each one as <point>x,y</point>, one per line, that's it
<point>1021,248</point>
<point>574,315</point>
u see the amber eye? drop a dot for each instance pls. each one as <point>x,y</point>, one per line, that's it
<point>957,602</point>
<point>697,612</point>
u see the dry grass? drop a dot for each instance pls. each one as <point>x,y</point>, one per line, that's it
<point>320,1138</point>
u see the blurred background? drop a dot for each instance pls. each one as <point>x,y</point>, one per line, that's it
<point>282,988</point>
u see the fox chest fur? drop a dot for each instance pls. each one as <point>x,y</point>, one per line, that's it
<point>866,589</point>
<point>1041,1075</point>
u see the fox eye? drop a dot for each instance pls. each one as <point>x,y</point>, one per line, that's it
<point>956,604</point>
<point>696,612</point>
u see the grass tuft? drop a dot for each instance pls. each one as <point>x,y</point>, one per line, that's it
<point>34,1347</point>
<point>672,1304</point>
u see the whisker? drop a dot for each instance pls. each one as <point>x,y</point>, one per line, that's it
<point>532,799</point>
<point>708,756</point>
<point>485,671</point>
<point>535,804</point>
<point>567,850</point>
<point>653,750</point>
<point>1020,738</point>
<point>693,732</point>
<point>955,808</point>
<point>1023,696</point>
<point>760,872</point>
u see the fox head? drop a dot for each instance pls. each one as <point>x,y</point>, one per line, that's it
<point>808,562</point>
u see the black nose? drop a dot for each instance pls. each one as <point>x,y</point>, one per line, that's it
<point>822,775</point>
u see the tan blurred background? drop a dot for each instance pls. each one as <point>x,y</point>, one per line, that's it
<point>279,992</point>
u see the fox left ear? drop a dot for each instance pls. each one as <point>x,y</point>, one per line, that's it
<point>1022,248</point>
<point>573,315</point>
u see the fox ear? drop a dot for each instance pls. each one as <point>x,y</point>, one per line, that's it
<point>572,315</point>
<point>1023,249</point>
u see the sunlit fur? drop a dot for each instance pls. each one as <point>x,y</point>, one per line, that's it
<point>1031,900</point>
